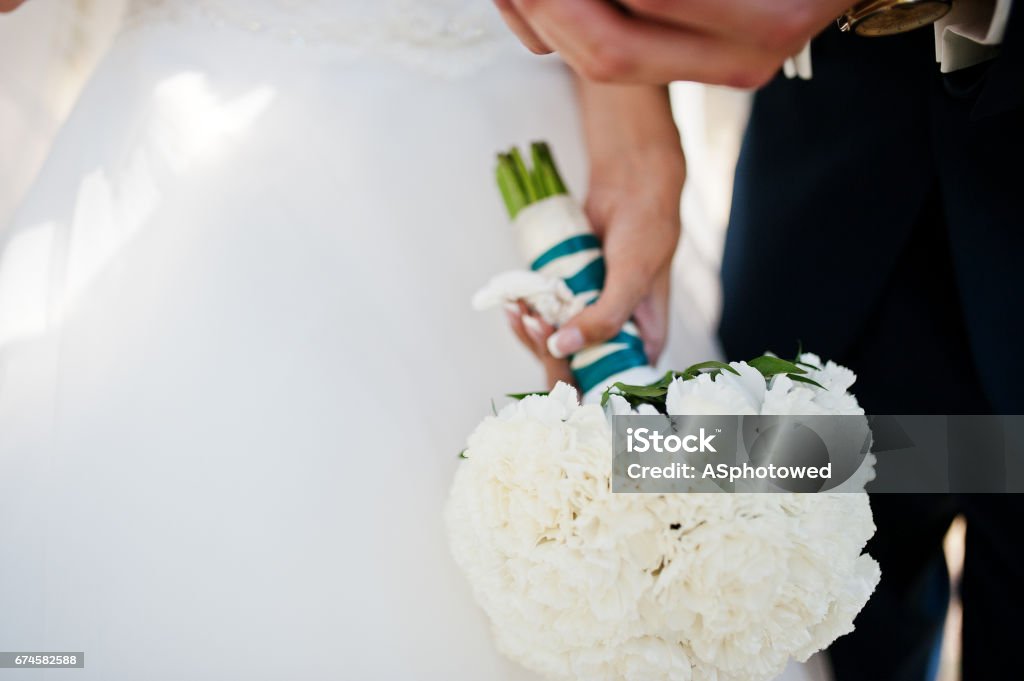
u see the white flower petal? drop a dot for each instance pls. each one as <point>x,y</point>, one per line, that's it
<point>579,582</point>
<point>549,296</point>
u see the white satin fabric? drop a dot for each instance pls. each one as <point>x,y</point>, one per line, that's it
<point>238,359</point>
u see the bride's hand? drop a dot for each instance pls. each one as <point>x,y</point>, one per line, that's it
<point>533,332</point>
<point>637,171</point>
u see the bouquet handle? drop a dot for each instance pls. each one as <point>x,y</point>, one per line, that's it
<point>557,240</point>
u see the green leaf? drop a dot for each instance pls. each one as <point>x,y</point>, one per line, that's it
<point>462,454</point>
<point>770,366</point>
<point>799,354</point>
<point>665,380</point>
<point>635,395</point>
<point>803,379</point>
<point>519,396</point>
<point>807,364</point>
<point>653,390</point>
<point>702,366</point>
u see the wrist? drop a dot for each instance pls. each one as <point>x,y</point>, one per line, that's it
<point>630,116</point>
<point>654,172</point>
<point>629,129</point>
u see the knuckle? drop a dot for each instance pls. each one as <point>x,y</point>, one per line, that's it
<point>604,328</point>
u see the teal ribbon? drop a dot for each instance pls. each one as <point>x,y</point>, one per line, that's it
<point>591,278</point>
<point>597,372</point>
<point>574,244</point>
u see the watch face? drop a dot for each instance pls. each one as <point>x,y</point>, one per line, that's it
<point>902,16</point>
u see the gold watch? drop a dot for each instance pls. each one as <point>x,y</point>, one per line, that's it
<point>886,17</point>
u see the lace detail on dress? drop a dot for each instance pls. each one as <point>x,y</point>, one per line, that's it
<point>446,37</point>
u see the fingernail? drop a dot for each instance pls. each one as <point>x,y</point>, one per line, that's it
<point>565,342</point>
<point>512,308</point>
<point>533,328</point>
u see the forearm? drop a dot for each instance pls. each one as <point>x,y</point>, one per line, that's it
<point>629,129</point>
<point>634,149</point>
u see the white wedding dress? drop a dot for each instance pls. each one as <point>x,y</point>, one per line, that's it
<point>237,355</point>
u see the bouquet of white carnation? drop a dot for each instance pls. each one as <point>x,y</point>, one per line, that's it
<point>583,583</point>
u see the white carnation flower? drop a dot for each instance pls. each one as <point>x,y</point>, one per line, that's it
<point>786,396</point>
<point>581,583</point>
<point>618,406</point>
<point>726,393</point>
<point>836,380</point>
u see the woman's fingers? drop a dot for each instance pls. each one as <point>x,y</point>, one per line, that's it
<point>651,316</point>
<point>515,322</point>
<point>538,332</point>
<point>602,320</point>
<point>533,332</point>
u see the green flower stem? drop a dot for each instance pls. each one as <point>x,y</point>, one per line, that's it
<point>522,185</point>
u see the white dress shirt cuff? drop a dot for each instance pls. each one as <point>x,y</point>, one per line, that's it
<point>970,33</point>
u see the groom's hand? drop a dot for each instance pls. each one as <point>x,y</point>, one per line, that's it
<point>637,171</point>
<point>740,43</point>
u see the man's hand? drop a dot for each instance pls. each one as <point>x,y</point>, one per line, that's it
<point>740,43</point>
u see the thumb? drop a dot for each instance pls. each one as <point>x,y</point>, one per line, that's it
<point>598,322</point>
